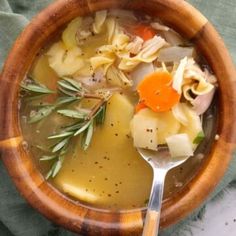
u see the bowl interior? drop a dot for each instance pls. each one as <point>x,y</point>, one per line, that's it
<point>71,214</point>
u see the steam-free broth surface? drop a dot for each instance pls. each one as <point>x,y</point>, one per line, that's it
<point>111,174</point>
<point>78,127</point>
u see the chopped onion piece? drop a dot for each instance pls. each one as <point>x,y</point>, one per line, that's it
<point>158,26</point>
<point>173,38</point>
<point>179,114</point>
<point>174,54</point>
<point>140,72</point>
<point>179,75</point>
<point>179,145</point>
<point>202,102</point>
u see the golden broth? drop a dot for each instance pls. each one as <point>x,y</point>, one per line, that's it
<point>110,174</point>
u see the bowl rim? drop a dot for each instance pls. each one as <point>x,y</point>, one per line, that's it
<point>48,200</point>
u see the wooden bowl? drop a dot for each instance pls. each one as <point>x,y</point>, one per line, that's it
<point>71,214</point>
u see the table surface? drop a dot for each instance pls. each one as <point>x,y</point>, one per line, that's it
<point>220,216</point>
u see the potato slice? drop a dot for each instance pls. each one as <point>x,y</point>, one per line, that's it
<point>144,128</point>
<point>179,145</point>
<point>150,128</point>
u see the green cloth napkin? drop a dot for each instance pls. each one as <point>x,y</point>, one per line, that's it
<point>17,218</point>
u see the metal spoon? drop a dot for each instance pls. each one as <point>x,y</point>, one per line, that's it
<point>161,162</point>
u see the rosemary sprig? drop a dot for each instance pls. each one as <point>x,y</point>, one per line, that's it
<point>31,86</point>
<point>84,127</point>
<point>69,91</point>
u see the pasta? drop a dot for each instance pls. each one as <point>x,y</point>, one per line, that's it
<point>126,55</point>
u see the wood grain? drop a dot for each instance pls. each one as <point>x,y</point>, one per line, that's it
<point>72,214</point>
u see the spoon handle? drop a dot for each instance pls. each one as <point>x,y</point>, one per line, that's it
<point>152,220</point>
<point>151,226</point>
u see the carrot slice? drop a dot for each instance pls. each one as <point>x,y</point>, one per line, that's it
<point>157,93</point>
<point>144,31</point>
<point>141,105</point>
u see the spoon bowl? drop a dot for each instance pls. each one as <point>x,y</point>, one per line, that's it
<point>161,162</point>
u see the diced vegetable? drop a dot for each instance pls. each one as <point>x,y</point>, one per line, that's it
<point>202,102</point>
<point>179,114</point>
<point>194,127</point>
<point>156,92</point>
<point>179,75</point>
<point>167,125</point>
<point>141,105</point>
<point>140,72</point>
<point>164,122</point>
<point>144,130</point>
<point>159,26</point>
<point>119,113</point>
<point>173,38</point>
<point>144,31</point>
<point>179,145</point>
<point>200,136</point>
<point>174,54</point>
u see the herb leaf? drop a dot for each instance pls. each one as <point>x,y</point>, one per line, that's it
<point>64,100</point>
<point>74,83</point>
<point>57,167</point>
<point>71,91</point>
<point>65,85</point>
<point>61,145</point>
<point>62,135</point>
<point>87,137</point>
<point>40,114</point>
<point>100,116</point>
<point>200,136</point>
<point>83,128</point>
<point>36,88</point>
<point>73,113</point>
<point>47,158</point>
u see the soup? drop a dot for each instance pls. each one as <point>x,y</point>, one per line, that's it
<point>113,82</point>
